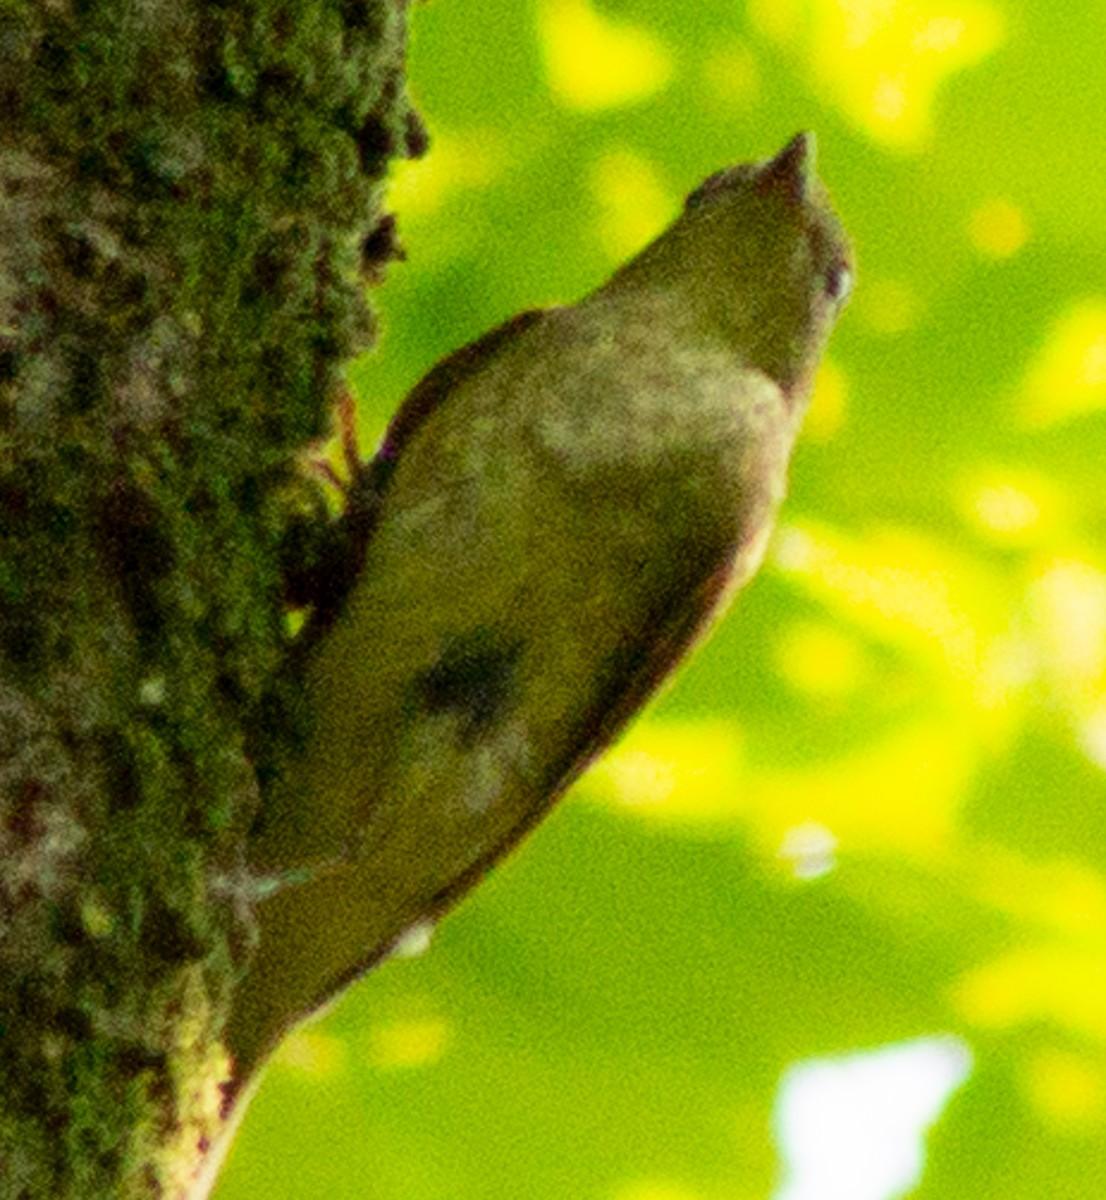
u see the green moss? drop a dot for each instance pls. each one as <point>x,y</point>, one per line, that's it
<point>187,190</point>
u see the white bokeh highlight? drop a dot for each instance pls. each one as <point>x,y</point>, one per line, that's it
<point>853,1127</point>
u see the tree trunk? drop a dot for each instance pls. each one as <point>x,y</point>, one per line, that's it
<point>189,210</point>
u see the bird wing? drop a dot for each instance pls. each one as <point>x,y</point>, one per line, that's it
<point>328,587</point>
<point>425,398</point>
<point>634,673</point>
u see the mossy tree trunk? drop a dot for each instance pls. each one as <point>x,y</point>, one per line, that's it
<point>189,208</point>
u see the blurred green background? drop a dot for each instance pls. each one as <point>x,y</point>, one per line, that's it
<point>830,922</point>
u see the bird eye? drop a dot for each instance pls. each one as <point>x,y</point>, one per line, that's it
<point>839,282</point>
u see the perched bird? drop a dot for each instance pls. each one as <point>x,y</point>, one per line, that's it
<point>558,510</point>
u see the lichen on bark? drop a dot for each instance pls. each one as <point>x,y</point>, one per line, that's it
<point>189,210</point>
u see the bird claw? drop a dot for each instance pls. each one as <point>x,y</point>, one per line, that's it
<point>329,556</point>
<point>353,464</point>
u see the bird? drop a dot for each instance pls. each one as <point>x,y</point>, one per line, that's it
<point>559,512</point>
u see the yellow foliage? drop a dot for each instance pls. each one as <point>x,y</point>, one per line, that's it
<point>595,63</point>
<point>884,60</point>
<point>1068,378</point>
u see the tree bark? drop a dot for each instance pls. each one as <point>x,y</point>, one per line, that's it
<point>189,209</point>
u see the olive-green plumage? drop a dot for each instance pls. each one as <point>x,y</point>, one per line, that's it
<point>564,505</point>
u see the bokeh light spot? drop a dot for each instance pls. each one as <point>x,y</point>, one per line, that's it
<point>1092,736</point>
<point>1067,608</point>
<point>413,1043</point>
<point>1065,984</point>
<point>1067,1089</point>
<point>1068,377</point>
<point>419,187</point>
<point>998,228</point>
<point>900,793</point>
<point>855,1126</point>
<point>819,659</point>
<point>687,772</point>
<point>829,403</point>
<point>595,63</point>
<point>900,585</point>
<point>884,60</point>
<point>810,849</point>
<point>1004,510</point>
<point>312,1053</point>
<point>634,204</point>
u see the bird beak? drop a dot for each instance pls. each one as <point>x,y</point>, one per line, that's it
<point>793,168</point>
